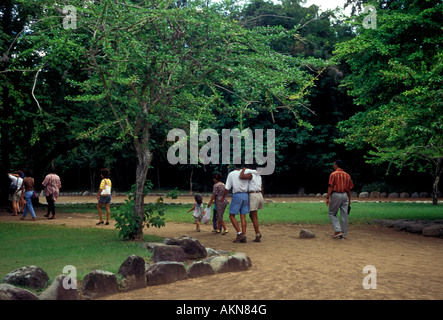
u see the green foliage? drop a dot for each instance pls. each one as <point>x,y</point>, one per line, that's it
<point>396,78</point>
<point>128,222</point>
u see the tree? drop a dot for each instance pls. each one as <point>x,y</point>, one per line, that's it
<point>153,63</point>
<point>396,77</point>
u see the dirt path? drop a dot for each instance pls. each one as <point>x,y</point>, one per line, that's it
<point>408,266</point>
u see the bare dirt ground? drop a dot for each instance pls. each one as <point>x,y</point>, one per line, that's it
<point>408,266</point>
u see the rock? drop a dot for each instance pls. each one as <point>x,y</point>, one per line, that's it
<point>133,273</point>
<point>401,225</point>
<point>9,292</point>
<point>383,195</point>
<point>30,276</point>
<point>234,263</point>
<point>86,194</point>
<point>151,245</point>
<point>388,223</point>
<point>363,195</point>
<point>424,195</point>
<point>434,230</point>
<point>165,272</point>
<point>353,194</point>
<point>168,253</point>
<point>57,291</point>
<point>192,247</point>
<point>200,269</point>
<point>301,192</point>
<point>415,195</point>
<point>98,283</point>
<point>416,227</point>
<point>404,195</point>
<point>306,234</point>
<point>393,195</point>
<point>374,194</point>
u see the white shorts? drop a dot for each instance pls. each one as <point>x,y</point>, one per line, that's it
<point>256,201</point>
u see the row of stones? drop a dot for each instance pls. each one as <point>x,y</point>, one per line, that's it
<point>134,273</point>
<point>428,228</point>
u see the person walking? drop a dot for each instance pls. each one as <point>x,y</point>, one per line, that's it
<point>239,202</point>
<point>104,195</point>
<point>51,191</point>
<point>256,200</point>
<point>217,195</point>
<point>197,213</point>
<point>15,192</point>
<point>27,193</point>
<point>339,198</point>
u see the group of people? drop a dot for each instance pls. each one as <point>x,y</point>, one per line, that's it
<point>22,192</point>
<point>247,197</point>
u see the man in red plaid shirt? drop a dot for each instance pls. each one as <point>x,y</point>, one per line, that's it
<point>339,197</point>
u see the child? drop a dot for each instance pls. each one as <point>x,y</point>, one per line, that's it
<point>198,211</point>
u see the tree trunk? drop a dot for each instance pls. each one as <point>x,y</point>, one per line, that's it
<point>190,179</point>
<point>144,157</point>
<point>438,172</point>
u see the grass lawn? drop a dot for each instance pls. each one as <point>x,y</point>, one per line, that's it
<point>317,213</point>
<point>53,247</point>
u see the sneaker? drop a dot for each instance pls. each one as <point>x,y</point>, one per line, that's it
<point>337,235</point>
<point>257,238</point>
<point>240,238</point>
<point>225,232</point>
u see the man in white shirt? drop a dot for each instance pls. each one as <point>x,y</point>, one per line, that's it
<point>256,200</point>
<point>239,202</point>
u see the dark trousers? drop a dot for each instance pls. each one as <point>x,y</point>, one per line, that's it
<point>51,204</point>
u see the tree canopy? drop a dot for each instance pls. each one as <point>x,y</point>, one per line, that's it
<point>104,89</point>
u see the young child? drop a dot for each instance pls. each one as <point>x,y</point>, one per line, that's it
<point>198,211</point>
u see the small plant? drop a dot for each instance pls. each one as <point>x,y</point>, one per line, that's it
<point>128,222</point>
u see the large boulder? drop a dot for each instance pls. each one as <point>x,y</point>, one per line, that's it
<point>61,289</point>
<point>165,272</point>
<point>237,262</point>
<point>133,273</point>
<point>404,195</point>
<point>200,269</point>
<point>191,246</point>
<point>98,283</point>
<point>168,253</point>
<point>32,277</point>
<point>9,292</point>
<point>401,224</point>
<point>434,230</point>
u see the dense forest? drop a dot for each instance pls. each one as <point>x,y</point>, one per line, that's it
<point>103,84</point>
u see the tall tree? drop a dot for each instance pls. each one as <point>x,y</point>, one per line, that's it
<point>396,77</point>
<point>152,63</point>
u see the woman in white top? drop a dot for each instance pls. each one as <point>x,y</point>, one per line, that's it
<point>17,181</point>
<point>256,200</point>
